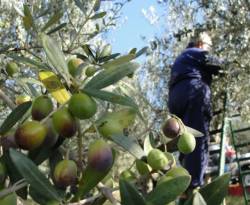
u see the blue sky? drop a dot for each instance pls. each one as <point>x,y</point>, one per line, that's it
<point>128,35</point>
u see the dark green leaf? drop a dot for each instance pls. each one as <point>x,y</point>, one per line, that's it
<point>33,176</point>
<point>29,62</point>
<point>14,175</point>
<point>54,19</point>
<point>57,28</point>
<point>29,21</point>
<point>140,52</point>
<point>81,56</point>
<point>88,50</point>
<point>97,5</point>
<point>111,76</point>
<point>215,192</point>
<point>55,56</point>
<point>38,197</point>
<point>90,178</point>
<point>111,97</point>
<point>168,191</point>
<point>133,51</point>
<point>129,144</point>
<point>119,61</point>
<point>98,15</point>
<point>129,194</point>
<point>14,117</point>
<point>107,58</point>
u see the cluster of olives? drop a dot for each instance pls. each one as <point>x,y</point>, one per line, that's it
<point>156,161</point>
<point>75,69</point>
<point>185,140</point>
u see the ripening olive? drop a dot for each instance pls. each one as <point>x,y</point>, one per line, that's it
<point>41,107</point>
<point>64,123</point>
<point>100,157</point>
<point>65,173</point>
<point>171,128</point>
<point>30,135</point>
<point>82,106</point>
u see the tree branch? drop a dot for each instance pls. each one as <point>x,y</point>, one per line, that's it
<point>7,100</point>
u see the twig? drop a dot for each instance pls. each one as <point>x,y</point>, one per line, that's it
<point>107,192</point>
<point>18,185</point>
<point>93,198</point>
<point>79,145</point>
<point>7,100</point>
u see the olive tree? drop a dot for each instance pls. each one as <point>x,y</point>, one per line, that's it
<point>60,142</point>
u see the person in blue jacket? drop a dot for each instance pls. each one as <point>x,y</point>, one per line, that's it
<point>190,100</point>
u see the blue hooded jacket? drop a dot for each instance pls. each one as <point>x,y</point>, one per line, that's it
<point>194,63</point>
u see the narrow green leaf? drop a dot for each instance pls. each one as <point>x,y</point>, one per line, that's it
<point>28,19</point>
<point>39,198</point>
<point>55,56</point>
<point>31,80</point>
<point>57,28</point>
<point>129,194</point>
<point>111,76</point>
<point>33,176</point>
<point>133,51</point>
<point>106,51</point>
<point>88,50</point>
<point>28,61</point>
<point>54,19</point>
<point>148,143</point>
<point>119,61</point>
<point>215,192</point>
<point>142,51</point>
<point>98,15</point>
<point>107,58</point>
<point>14,117</point>
<point>196,133</point>
<point>129,144</point>
<point>97,5</point>
<point>90,178</point>
<point>10,199</point>
<point>111,97</point>
<point>168,191</point>
<point>14,175</point>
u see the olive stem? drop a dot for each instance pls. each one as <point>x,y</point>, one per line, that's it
<point>51,113</point>
<point>79,145</point>
<point>107,192</point>
<point>96,129</point>
<point>92,198</point>
<point>18,185</point>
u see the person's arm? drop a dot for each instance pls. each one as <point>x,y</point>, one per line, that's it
<point>213,64</point>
